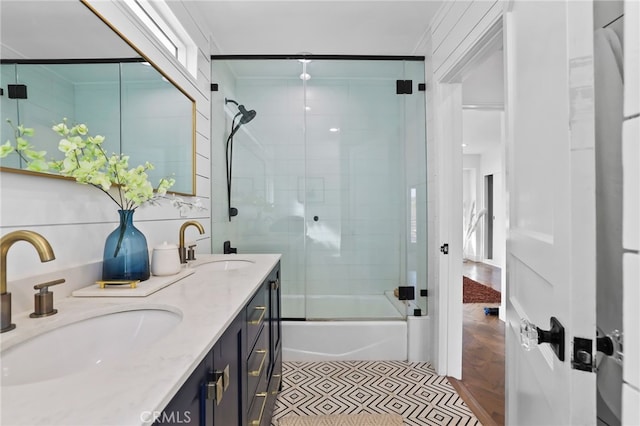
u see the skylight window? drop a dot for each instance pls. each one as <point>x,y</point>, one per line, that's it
<point>160,20</point>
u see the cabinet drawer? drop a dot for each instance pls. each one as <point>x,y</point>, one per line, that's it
<point>257,364</point>
<point>257,411</point>
<point>256,314</point>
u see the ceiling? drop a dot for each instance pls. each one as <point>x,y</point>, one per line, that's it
<point>350,27</point>
<point>345,27</point>
<point>61,29</point>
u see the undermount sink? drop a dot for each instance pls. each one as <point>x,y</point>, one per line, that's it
<point>84,344</point>
<point>224,264</point>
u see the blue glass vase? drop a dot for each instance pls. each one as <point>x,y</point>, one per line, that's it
<point>126,255</point>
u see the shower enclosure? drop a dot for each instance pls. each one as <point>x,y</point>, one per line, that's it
<point>331,173</point>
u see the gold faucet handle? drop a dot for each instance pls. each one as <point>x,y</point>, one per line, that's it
<point>45,286</point>
<point>191,253</point>
<point>43,301</point>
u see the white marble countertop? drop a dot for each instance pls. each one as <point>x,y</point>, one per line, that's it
<point>126,391</point>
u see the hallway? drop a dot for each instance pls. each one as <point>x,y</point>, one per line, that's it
<point>482,384</point>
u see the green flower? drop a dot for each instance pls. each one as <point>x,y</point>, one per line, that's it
<point>6,149</point>
<point>34,159</point>
<point>87,162</point>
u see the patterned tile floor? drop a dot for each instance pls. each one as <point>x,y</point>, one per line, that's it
<point>410,389</point>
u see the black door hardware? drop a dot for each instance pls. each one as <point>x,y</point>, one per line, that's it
<point>404,87</point>
<point>609,345</point>
<point>444,248</point>
<point>406,293</point>
<point>581,357</point>
<point>17,91</point>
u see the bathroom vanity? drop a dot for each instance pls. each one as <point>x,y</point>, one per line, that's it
<point>238,380</point>
<point>205,350</point>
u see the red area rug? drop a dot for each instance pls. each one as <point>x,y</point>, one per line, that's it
<point>474,292</point>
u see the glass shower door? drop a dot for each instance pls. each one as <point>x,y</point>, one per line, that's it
<point>326,175</point>
<point>353,188</point>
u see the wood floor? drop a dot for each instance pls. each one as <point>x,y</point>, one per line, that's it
<point>482,384</point>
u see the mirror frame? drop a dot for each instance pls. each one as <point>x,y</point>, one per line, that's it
<point>159,70</point>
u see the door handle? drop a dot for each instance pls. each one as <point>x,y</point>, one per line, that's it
<point>611,345</point>
<point>531,335</point>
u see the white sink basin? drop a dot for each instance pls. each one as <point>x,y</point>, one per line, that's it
<point>228,265</point>
<point>223,264</point>
<point>84,344</point>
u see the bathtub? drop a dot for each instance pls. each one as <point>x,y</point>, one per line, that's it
<point>344,328</point>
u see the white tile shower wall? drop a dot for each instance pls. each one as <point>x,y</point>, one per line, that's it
<point>140,105</point>
<point>57,101</point>
<point>97,100</point>
<point>338,172</point>
<point>76,218</point>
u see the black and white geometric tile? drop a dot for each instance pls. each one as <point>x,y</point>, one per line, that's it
<point>411,389</point>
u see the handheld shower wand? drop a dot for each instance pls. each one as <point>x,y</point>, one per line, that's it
<point>245,117</point>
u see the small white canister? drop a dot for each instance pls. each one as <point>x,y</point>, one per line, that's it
<point>165,260</point>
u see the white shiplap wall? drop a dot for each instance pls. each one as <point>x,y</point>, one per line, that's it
<point>75,218</point>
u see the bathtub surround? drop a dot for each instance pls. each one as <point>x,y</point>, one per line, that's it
<point>344,340</point>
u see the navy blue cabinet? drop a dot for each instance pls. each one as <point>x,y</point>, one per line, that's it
<point>189,406</point>
<point>237,382</point>
<point>229,379</point>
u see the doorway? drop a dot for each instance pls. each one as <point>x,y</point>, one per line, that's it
<point>483,159</point>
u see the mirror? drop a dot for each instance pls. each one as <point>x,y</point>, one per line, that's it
<point>72,64</point>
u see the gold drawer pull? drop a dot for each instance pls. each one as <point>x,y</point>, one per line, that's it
<point>225,377</point>
<point>257,372</point>
<point>262,395</point>
<point>215,389</point>
<point>261,317</point>
<point>275,284</point>
<point>279,377</point>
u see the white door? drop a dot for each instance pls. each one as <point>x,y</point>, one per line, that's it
<point>551,178</point>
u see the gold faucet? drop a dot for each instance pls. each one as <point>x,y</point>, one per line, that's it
<point>45,252</point>
<point>181,247</point>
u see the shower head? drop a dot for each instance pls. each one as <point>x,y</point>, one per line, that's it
<point>246,116</point>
